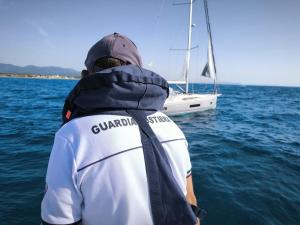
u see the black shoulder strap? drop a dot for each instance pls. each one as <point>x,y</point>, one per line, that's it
<point>168,203</point>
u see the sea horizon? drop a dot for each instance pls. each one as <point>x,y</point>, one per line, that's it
<point>65,77</point>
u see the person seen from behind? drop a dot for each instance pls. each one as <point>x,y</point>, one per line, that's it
<point>118,160</point>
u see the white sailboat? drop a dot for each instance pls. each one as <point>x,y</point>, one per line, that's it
<point>181,102</point>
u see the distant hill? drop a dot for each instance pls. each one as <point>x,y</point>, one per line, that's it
<point>48,70</point>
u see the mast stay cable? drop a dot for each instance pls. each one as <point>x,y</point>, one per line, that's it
<point>210,38</point>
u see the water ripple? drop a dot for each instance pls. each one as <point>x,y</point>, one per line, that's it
<point>245,154</point>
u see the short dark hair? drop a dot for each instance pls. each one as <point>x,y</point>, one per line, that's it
<point>104,63</point>
<point>108,62</point>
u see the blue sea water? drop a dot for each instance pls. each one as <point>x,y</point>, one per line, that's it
<point>245,154</point>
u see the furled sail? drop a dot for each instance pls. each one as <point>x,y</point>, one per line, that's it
<point>209,69</point>
<point>205,71</point>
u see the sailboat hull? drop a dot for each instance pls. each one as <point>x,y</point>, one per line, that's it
<point>189,103</point>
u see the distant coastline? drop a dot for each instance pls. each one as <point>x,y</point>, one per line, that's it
<point>69,77</point>
<point>38,76</point>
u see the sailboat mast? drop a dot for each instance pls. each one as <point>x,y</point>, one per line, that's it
<point>188,51</point>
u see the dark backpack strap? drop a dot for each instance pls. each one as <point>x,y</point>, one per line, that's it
<point>168,203</point>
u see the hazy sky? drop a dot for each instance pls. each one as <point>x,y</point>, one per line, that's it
<point>255,41</point>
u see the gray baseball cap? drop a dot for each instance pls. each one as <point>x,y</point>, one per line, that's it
<point>116,46</point>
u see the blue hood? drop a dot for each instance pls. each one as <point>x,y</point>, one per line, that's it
<point>117,88</point>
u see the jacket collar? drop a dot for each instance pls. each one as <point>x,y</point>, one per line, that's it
<point>117,88</point>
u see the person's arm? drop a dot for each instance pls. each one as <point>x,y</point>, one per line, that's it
<point>62,200</point>
<point>190,196</point>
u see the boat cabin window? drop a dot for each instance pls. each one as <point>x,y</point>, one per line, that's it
<point>195,105</point>
<point>189,98</point>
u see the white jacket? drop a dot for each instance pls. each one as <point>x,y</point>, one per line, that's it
<point>96,172</point>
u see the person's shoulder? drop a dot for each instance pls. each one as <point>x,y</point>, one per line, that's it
<point>80,126</point>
